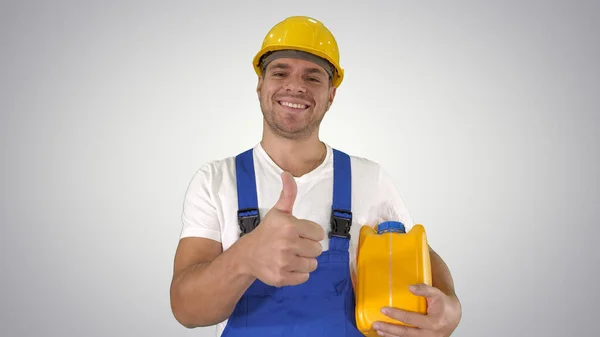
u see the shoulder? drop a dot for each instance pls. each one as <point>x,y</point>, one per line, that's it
<point>219,174</point>
<point>218,168</point>
<point>214,173</point>
<point>364,165</point>
<point>371,173</point>
<point>373,179</point>
<point>366,171</point>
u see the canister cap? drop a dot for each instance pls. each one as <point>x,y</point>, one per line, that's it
<point>391,227</point>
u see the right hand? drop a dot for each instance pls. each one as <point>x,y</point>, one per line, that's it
<point>282,250</point>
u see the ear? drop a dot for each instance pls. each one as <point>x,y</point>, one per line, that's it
<point>259,85</point>
<point>332,92</point>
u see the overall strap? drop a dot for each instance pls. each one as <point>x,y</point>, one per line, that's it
<point>248,215</point>
<point>341,209</point>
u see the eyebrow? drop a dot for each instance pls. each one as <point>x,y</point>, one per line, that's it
<point>306,71</point>
<point>280,66</point>
<point>315,70</point>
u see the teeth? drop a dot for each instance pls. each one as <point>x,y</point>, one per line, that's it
<point>292,105</point>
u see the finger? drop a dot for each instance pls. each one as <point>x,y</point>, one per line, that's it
<point>302,265</point>
<point>310,230</point>
<point>295,278</point>
<point>407,317</point>
<point>396,330</point>
<point>425,290</point>
<point>307,248</point>
<point>287,197</point>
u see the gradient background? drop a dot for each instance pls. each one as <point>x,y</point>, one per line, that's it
<point>485,114</point>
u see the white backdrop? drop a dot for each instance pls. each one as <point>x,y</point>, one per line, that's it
<point>485,114</point>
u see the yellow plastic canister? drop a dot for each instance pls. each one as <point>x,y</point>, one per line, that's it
<point>388,261</point>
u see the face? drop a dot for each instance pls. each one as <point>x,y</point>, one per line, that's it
<point>294,97</point>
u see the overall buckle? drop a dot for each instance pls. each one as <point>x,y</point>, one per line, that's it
<point>341,221</point>
<point>248,219</point>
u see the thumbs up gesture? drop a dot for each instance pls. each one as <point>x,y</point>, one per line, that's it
<point>283,249</point>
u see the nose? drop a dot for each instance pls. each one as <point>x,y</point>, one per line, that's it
<point>294,84</point>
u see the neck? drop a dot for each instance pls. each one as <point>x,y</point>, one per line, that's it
<point>297,156</point>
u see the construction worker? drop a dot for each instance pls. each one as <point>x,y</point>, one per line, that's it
<point>269,237</point>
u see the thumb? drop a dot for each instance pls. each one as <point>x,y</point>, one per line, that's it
<point>288,193</point>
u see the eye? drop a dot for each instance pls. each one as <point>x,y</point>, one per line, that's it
<point>313,79</point>
<point>278,74</point>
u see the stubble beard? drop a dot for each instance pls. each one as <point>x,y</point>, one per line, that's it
<point>279,127</point>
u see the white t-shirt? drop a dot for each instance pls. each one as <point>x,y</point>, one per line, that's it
<point>210,204</point>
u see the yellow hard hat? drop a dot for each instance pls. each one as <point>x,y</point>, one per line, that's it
<point>305,34</point>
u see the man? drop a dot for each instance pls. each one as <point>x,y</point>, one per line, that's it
<point>269,237</point>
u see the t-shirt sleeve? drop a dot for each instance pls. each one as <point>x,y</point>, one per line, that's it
<point>391,203</point>
<point>199,216</point>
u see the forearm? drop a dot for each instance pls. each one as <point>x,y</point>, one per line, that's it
<point>206,294</point>
<point>441,277</point>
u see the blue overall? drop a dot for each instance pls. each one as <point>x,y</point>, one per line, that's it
<point>322,306</point>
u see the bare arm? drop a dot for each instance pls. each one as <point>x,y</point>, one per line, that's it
<point>207,283</point>
<point>441,277</point>
<point>282,251</point>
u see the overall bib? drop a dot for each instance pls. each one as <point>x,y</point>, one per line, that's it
<point>322,306</point>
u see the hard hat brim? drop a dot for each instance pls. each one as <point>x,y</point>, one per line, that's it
<point>339,72</point>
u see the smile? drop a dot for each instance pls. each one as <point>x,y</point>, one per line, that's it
<point>293,105</point>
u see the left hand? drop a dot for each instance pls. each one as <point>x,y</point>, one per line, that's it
<point>443,315</point>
